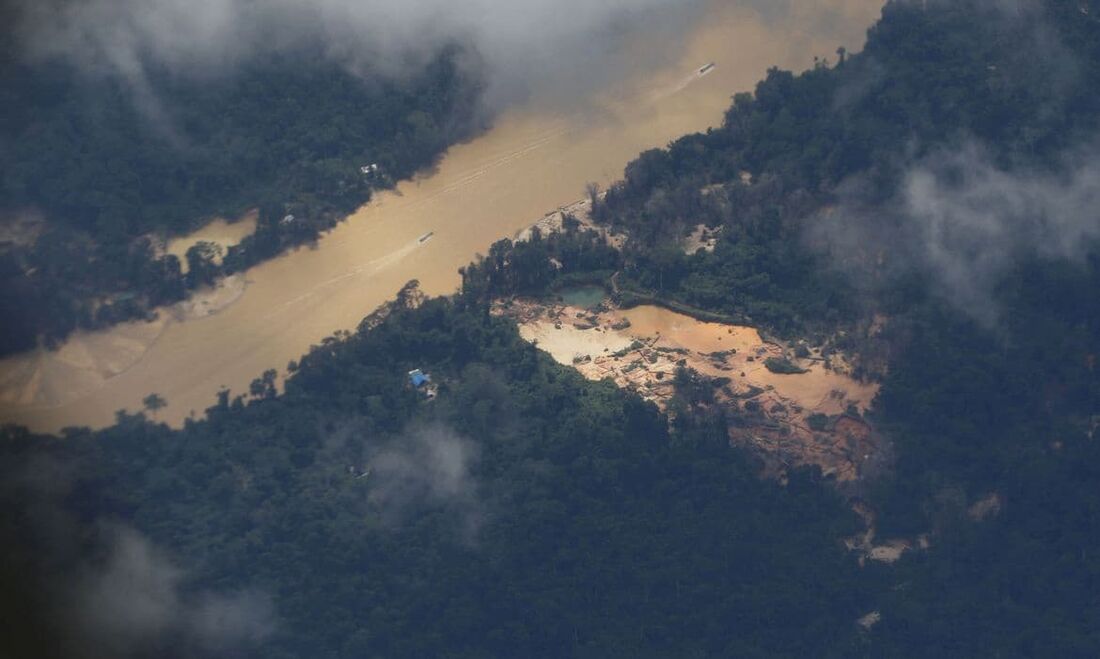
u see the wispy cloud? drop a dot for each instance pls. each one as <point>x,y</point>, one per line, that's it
<point>134,601</point>
<point>964,221</point>
<point>101,588</point>
<point>429,467</point>
<point>965,212</point>
<point>522,44</point>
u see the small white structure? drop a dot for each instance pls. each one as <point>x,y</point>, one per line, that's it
<point>367,170</point>
<point>288,219</point>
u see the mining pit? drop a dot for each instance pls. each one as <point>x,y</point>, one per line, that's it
<point>810,417</point>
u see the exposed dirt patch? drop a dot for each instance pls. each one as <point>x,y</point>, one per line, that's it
<point>808,418</point>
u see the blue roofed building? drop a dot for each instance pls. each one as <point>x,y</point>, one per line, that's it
<point>418,378</point>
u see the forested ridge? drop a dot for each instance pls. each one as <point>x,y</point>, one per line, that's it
<point>525,511</point>
<point>110,170</point>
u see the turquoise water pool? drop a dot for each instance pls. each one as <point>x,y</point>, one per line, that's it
<point>585,297</point>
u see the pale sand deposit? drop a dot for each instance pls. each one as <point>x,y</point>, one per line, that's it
<point>644,356</point>
<point>566,343</point>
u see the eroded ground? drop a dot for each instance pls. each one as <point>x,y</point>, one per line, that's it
<point>809,418</point>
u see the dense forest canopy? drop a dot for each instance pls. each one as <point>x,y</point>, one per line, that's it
<point>526,511</point>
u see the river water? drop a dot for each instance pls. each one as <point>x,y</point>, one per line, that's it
<point>532,161</point>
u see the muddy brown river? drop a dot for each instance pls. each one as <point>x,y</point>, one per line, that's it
<point>532,161</point>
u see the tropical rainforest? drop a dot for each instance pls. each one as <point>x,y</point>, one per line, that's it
<point>520,510</point>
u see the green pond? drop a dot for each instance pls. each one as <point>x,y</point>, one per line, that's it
<point>585,297</point>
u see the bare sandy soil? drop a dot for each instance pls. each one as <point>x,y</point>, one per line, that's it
<point>565,342</point>
<point>640,349</point>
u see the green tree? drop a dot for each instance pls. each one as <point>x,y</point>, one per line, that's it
<point>154,403</point>
<point>202,263</point>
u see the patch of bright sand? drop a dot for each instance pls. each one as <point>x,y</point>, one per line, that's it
<point>569,342</point>
<point>643,356</point>
<point>813,390</point>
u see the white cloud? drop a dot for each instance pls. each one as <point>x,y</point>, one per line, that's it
<point>964,222</point>
<point>519,41</point>
<point>428,467</point>
<point>134,601</point>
